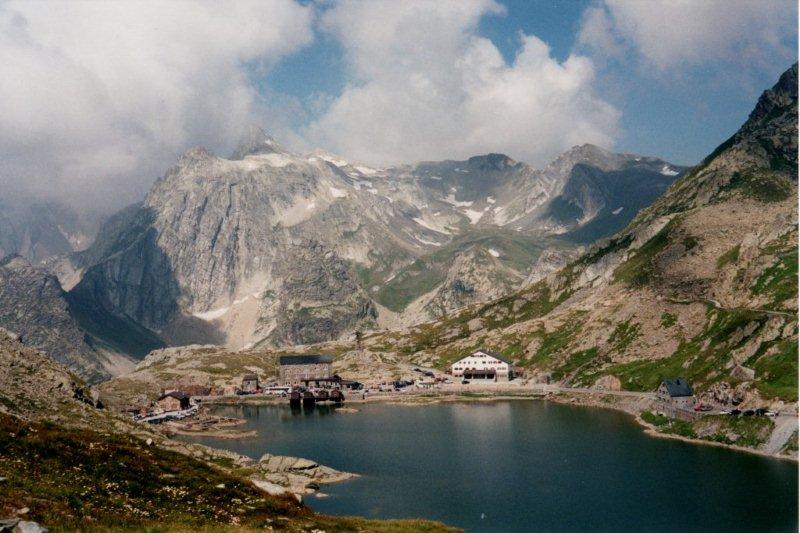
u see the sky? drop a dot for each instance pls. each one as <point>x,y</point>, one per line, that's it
<point>97,100</point>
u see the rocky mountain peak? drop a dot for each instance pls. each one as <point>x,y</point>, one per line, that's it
<point>490,162</point>
<point>255,141</point>
<point>195,155</point>
<point>779,97</point>
<point>589,154</point>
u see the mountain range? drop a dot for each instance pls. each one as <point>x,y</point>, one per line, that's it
<point>268,247</point>
<point>702,284</point>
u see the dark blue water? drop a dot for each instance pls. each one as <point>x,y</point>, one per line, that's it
<point>524,466</point>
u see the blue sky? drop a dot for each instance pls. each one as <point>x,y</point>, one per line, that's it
<point>679,113</point>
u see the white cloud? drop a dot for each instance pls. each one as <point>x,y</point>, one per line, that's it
<point>425,85</point>
<point>674,33</point>
<point>100,96</point>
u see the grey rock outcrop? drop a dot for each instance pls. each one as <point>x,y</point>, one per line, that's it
<point>34,307</point>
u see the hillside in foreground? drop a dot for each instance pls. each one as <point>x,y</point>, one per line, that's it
<point>68,465</point>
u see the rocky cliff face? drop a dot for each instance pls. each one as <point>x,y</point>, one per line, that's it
<point>34,307</point>
<point>477,275</point>
<point>276,248</point>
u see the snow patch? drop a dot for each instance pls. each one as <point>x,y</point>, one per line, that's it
<point>338,193</point>
<point>208,316</point>
<point>431,226</point>
<point>367,171</point>
<point>473,216</point>
<point>214,314</point>
<point>490,200</point>
<point>451,199</point>
<point>617,211</point>
<point>423,241</point>
<point>666,170</point>
<point>273,160</point>
<point>330,158</point>
<point>494,252</point>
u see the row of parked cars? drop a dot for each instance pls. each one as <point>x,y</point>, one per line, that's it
<point>750,412</point>
<point>700,407</point>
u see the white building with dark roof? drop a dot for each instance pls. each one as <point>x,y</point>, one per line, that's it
<point>484,365</point>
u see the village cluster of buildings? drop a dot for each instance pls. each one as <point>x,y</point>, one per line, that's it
<point>482,365</point>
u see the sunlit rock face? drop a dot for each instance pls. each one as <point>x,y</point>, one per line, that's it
<point>280,248</point>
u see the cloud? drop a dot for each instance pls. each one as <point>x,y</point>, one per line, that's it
<point>425,85</point>
<point>97,98</point>
<point>671,34</point>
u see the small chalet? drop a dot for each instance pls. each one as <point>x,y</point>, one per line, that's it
<point>676,393</point>
<point>250,383</point>
<point>483,365</point>
<point>173,401</point>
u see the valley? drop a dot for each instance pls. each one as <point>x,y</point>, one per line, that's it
<point>596,279</point>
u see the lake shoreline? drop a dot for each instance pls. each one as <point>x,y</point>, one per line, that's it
<point>631,405</point>
<point>456,447</point>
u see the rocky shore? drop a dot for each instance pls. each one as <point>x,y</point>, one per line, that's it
<point>275,474</point>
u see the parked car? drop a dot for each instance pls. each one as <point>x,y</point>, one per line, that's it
<point>771,413</point>
<point>735,412</point>
<point>702,407</point>
<point>749,412</point>
<point>465,382</point>
<point>761,411</point>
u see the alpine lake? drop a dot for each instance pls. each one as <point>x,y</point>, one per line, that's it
<point>521,465</point>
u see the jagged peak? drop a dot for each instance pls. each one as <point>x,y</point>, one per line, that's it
<point>491,161</point>
<point>255,141</point>
<point>777,98</point>
<point>587,150</point>
<point>198,153</point>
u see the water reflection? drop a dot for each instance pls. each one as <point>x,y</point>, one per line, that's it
<point>521,465</point>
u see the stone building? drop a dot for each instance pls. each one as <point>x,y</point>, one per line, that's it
<point>250,383</point>
<point>173,401</point>
<point>483,365</point>
<point>296,368</point>
<point>676,393</point>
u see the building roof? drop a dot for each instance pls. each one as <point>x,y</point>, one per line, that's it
<point>179,395</point>
<point>250,377</point>
<point>304,359</point>
<point>678,387</point>
<point>493,354</point>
